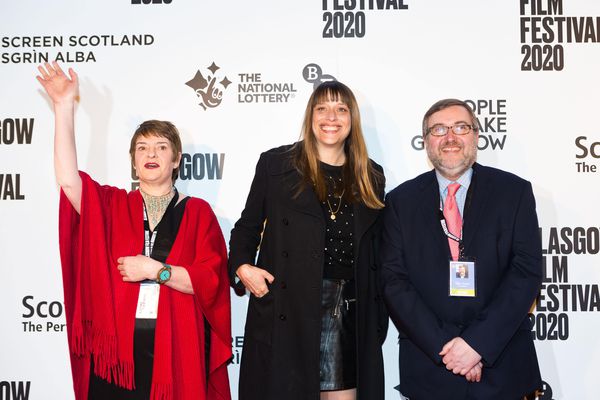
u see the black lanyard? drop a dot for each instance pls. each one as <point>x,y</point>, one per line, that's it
<point>461,246</point>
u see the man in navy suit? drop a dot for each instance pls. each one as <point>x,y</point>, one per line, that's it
<point>462,339</point>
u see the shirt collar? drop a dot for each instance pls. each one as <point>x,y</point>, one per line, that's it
<point>464,180</point>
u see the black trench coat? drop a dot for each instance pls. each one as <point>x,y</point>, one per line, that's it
<point>280,358</point>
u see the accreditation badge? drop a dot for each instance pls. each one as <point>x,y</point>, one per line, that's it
<point>147,306</point>
<point>462,278</point>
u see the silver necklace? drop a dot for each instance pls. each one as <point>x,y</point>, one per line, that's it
<point>156,206</point>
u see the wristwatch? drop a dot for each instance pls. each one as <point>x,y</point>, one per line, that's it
<point>164,274</point>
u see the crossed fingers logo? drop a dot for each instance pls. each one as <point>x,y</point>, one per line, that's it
<point>207,88</point>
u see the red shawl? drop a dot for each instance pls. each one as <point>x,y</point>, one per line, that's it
<point>100,307</point>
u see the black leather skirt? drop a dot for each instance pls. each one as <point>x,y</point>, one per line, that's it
<point>338,335</point>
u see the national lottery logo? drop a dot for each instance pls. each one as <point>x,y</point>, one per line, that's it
<point>207,88</point>
<point>313,73</point>
<point>252,88</point>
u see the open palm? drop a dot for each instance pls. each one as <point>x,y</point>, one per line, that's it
<point>58,85</point>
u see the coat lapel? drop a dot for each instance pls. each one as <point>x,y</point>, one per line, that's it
<point>430,210</point>
<point>305,202</point>
<point>480,195</point>
<point>364,217</point>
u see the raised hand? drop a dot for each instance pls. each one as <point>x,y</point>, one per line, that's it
<point>63,91</point>
<point>60,87</point>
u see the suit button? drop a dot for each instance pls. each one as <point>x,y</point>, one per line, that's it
<point>285,221</point>
<point>284,254</point>
<point>283,285</point>
<point>282,317</point>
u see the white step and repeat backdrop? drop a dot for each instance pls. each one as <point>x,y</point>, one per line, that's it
<point>235,76</point>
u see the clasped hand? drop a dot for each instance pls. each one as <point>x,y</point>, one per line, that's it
<point>460,358</point>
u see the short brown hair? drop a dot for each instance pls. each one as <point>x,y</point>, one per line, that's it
<point>163,129</point>
<point>445,103</point>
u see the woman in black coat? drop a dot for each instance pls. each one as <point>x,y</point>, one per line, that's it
<point>316,320</point>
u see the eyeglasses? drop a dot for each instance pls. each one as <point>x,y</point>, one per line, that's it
<point>442,130</point>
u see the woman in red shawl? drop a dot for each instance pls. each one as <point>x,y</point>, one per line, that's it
<point>144,273</point>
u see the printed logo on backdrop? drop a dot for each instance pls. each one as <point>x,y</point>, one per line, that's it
<point>64,49</point>
<point>544,31</point>
<point>588,155</point>
<point>252,88</point>
<point>14,390</point>
<point>492,117</point>
<point>207,88</point>
<point>10,187</point>
<point>194,166</point>
<point>545,393</point>
<point>14,131</point>
<point>313,73</point>
<point>347,18</point>
<point>237,343</point>
<point>151,1</point>
<point>42,316</point>
<point>559,297</point>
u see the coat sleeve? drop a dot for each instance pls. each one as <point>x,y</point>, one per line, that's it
<point>246,234</point>
<point>511,302</point>
<point>384,319</point>
<point>411,315</point>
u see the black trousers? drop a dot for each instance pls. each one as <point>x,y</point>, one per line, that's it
<point>143,358</point>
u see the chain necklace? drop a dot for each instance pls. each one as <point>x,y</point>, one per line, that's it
<point>331,212</point>
<point>156,206</point>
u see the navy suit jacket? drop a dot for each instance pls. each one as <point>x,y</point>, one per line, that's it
<point>500,230</point>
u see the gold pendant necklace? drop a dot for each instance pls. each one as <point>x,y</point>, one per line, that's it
<point>331,212</point>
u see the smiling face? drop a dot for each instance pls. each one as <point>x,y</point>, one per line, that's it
<point>331,123</point>
<point>154,160</point>
<point>451,154</point>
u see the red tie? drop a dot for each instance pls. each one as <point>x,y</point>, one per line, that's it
<point>453,219</point>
